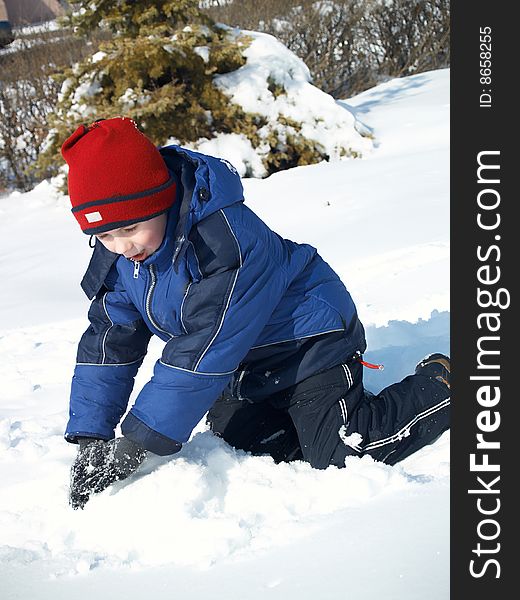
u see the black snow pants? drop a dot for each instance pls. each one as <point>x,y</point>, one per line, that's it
<point>330,416</point>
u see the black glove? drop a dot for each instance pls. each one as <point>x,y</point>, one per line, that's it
<point>99,464</point>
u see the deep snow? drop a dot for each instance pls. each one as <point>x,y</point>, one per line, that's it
<point>213,521</point>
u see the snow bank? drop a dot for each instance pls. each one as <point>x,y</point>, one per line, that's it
<point>204,505</point>
<point>207,504</point>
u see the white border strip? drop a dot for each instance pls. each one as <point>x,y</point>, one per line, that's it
<point>110,364</point>
<point>343,406</point>
<point>182,307</point>
<point>401,433</point>
<point>348,375</point>
<point>196,372</point>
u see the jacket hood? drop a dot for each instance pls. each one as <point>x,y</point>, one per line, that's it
<point>207,183</point>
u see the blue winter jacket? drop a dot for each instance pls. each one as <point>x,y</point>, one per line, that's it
<point>236,304</point>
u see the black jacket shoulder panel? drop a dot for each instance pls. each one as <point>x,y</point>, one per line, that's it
<point>216,248</point>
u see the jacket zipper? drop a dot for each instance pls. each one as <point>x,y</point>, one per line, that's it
<point>136,269</point>
<point>149,302</point>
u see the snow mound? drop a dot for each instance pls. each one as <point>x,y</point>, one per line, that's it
<point>207,504</point>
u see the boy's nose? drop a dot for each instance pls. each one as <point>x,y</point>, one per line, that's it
<point>123,246</point>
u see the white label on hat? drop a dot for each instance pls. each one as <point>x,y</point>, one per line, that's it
<point>93,217</point>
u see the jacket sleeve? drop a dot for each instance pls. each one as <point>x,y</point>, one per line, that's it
<point>109,355</point>
<point>223,313</point>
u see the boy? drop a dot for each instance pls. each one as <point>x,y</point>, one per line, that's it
<point>260,332</point>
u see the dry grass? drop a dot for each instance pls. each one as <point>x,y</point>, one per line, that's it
<point>28,94</point>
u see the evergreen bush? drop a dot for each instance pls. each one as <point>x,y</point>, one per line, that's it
<point>159,68</point>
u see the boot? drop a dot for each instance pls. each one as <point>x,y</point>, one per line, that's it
<point>436,366</point>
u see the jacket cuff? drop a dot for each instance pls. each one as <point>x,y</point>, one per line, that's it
<point>74,437</point>
<point>139,433</point>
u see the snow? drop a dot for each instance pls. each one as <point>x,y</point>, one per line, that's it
<point>276,84</point>
<point>212,520</point>
<point>97,57</point>
<point>21,41</point>
<point>130,99</point>
<point>203,52</point>
<point>237,149</point>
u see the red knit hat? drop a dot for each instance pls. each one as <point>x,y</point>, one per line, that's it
<point>117,176</point>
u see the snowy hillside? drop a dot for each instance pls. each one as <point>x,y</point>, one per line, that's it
<point>212,521</point>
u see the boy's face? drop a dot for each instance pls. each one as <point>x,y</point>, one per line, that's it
<point>138,241</point>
